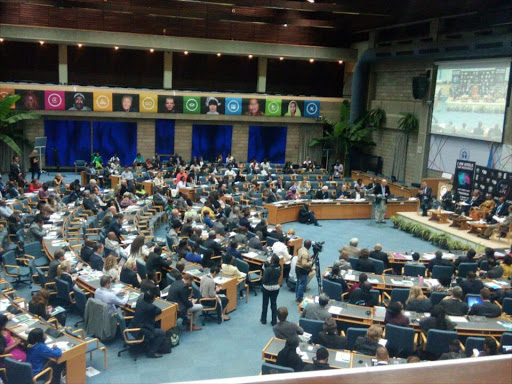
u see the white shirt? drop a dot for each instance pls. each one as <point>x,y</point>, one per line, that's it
<point>158,181</point>
<point>181,184</point>
<point>127,175</point>
<point>281,250</point>
<point>229,172</point>
<point>5,212</point>
<point>293,276</point>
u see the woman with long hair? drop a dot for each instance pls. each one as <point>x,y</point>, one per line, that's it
<point>417,301</point>
<point>437,320</point>
<point>9,344</point>
<point>111,268</point>
<point>138,251</point>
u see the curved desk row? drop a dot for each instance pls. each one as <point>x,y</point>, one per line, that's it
<point>366,316</point>
<point>286,211</point>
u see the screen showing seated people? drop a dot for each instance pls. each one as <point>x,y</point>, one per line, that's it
<point>471,98</point>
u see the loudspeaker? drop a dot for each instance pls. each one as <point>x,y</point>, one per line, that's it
<point>419,87</point>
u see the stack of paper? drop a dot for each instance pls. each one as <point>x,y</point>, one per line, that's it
<point>334,310</point>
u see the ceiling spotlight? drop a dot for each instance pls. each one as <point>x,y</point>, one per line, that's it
<point>281,58</point>
<point>219,54</point>
<point>41,42</point>
<point>340,62</point>
<point>116,48</point>
<point>1,40</point>
<point>311,60</point>
<point>151,50</point>
<point>285,25</point>
<point>80,45</point>
<point>185,53</point>
<point>251,56</point>
<point>311,1</point>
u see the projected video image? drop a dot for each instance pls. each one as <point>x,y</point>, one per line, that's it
<point>470,99</point>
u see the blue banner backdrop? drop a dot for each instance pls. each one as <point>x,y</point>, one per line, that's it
<point>164,137</point>
<point>111,137</point>
<point>267,143</point>
<point>210,140</point>
<point>71,140</point>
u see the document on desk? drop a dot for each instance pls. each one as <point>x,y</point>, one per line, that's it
<point>428,256</point>
<point>406,283</point>
<point>221,280</point>
<point>458,319</point>
<point>334,310</point>
<point>344,357</point>
<point>194,271</point>
<point>250,254</point>
<point>492,285</point>
<point>373,281</point>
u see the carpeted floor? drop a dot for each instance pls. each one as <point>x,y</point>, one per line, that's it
<point>234,348</point>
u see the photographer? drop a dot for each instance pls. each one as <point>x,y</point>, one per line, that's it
<point>303,268</point>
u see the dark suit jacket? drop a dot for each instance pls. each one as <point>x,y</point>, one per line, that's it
<point>68,279</point>
<point>365,265</point>
<point>486,309</point>
<point>89,205</point>
<point>244,222</point>
<point>278,235</point>
<point>85,253</point>
<point>179,293</point>
<point>144,318</point>
<point>321,195</point>
<point>255,243</point>
<point>332,341</point>
<point>377,190</point>
<point>503,211</point>
<point>471,286</point>
<point>213,245</point>
<point>96,262</point>
<point>365,346</point>
<point>129,277</point>
<point>426,196</point>
<point>263,229</point>
<point>52,270</point>
<point>115,227</point>
<point>434,261</point>
<point>379,255</point>
<point>155,263</point>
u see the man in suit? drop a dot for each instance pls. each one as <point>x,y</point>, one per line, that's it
<point>263,228</point>
<point>352,249</point>
<point>343,193</point>
<point>364,264</point>
<point>155,262</point>
<point>379,255</point>
<point>437,260</point>
<point>35,232</point>
<point>500,210</point>
<point>255,242</point>
<point>96,260</point>
<point>244,221</point>
<point>322,194</point>
<point>469,258</point>
<point>502,227</point>
<point>15,171</point>
<point>115,226</point>
<point>58,257</point>
<point>486,308</point>
<point>450,199</point>
<point>473,201</point>
<point>425,196</point>
<point>219,226</point>
<point>87,251</point>
<point>179,292</point>
<point>471,284</point>
<point>317,311</point>
<point>88,203</point>
<point>272,196</point>
<point>278,234</point>
<point>453,305</point>
<point>144,318</point>
<point>212,244</point>
<point>381,192</point>
<point>107,218</point>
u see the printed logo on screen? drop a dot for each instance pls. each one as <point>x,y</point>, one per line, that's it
<point>54,100</point>
<point>102,101</point>
<point>273,107</point>
<point>464,154</point>
<point>233,106</point>
<point>192,104</point>
<point>148,103</point>
<point>311,108</point>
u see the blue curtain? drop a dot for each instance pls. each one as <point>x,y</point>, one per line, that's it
<point>210,140</point>
<point>71,140</point>
<point>267,143</point>
<point>164,137</point>
<point>111,137</point>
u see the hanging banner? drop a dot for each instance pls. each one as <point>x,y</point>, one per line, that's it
<point>494,181</point>
<point>463,178</point>
<point>102,102</point>
<point>148,102</point>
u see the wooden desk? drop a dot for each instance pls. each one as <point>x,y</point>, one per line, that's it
<point>396,189</point>
<point>433,182</point>
<point>189,192</point>
<point>114,181</point>
<point>440,216</point>
<point>285,212</point>
<point>148,187</point>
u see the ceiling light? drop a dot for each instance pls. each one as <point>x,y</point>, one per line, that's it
<point>1,40</point>
<point>251,56</point>
<point>285,25</point>
<point>311,60</point>
<point>185,53</point>
<point>41,42</point>
<point>218,54</point>
<point>311,1</point>
<point>79,45</point>
<point>151,50</point>
<point>116,48</point>
<point>281,58</point>
<point>340,62</point>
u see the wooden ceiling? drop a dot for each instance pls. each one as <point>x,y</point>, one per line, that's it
<point>297,22</point>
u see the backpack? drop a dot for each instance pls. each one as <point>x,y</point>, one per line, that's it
<point>173,337</point>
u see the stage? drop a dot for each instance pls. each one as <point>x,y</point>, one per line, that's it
<point>460,235</point>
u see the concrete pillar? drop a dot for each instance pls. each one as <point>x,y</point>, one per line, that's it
<point>167,70</point>
<point>63,64</point>
<point>262,75</point>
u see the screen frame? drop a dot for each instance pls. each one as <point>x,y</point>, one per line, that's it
<point>476,61</point>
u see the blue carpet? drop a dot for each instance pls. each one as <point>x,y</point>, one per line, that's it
<point>234,348</point>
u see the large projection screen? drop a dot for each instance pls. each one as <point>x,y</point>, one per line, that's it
<point>471,98</point>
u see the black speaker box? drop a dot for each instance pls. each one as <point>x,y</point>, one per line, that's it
<point>419,87</point>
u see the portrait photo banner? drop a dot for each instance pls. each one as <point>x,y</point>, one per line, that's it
<point>112,100</point>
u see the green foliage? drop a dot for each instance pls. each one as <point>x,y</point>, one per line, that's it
<point>408,123</point>
<point>376,117</point>
<point>344,135</point>
<point>9,130</point>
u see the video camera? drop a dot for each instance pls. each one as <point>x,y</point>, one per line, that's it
<point>318,246</point>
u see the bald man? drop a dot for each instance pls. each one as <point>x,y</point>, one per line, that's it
<point>322,194</point>
<point>381,192</point>
<point>379,255</point>
<point>107,218</point>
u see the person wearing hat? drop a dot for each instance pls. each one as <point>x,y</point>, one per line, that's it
<point>212,103</point>
<point>78,103</point>
<point>330,337</point>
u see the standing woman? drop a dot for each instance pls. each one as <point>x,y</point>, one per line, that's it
<point>34,164</point>
<point>270,289</point>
